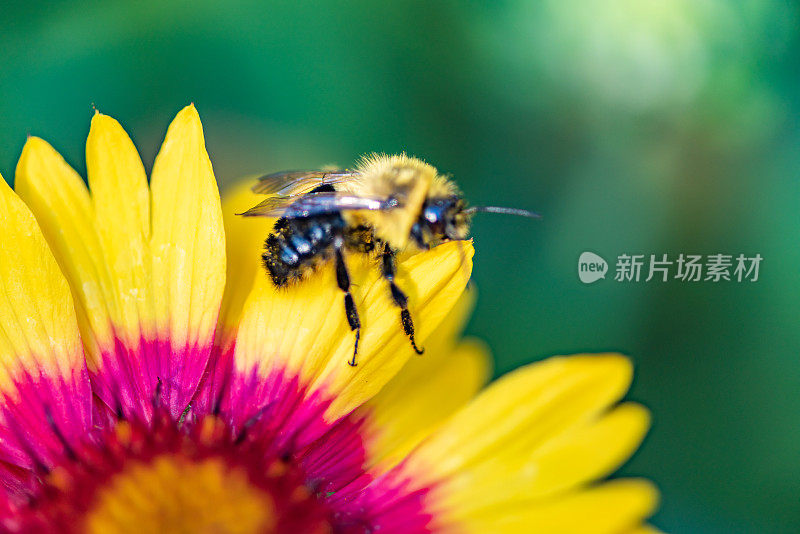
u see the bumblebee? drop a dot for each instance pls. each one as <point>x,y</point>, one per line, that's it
<point>385,205</point>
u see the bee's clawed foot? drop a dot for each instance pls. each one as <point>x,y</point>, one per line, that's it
<point>418,350</point>
<point>352,363</point>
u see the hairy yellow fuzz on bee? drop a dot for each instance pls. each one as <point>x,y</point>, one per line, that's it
<point>398,176</point>
<point>443,187</point>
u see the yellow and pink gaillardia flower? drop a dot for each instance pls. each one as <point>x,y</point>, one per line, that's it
<point>153,380</point>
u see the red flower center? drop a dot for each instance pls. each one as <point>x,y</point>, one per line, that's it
<point>170,476</point>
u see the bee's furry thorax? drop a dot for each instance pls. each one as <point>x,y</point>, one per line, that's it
<point>394,176</point>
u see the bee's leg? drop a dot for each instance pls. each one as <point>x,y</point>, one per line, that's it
<point>400,298</point>
<point>350,311</point>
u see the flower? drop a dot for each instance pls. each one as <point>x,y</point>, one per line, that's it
<point>153,380</point>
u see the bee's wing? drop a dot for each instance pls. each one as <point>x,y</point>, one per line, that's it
<point>317,204</point>
<point>296,183</point>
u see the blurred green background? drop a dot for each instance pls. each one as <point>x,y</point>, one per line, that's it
<point>634,126</point>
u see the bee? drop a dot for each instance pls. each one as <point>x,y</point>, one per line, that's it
<point>384,205</point>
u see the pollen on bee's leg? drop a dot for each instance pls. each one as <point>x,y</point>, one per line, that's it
<point>388,271</point>
<point>408,328</point>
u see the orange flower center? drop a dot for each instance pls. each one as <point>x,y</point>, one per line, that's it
<point>171,494</point>
<point>177,477</point>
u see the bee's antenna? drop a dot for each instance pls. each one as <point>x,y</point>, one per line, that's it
<point>506,211</point>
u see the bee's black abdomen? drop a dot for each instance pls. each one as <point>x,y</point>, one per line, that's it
<point>296,246</point>
<point>288,255</point>
<point>301,244</point>
<point>315,235</point>
<point>277,269</point>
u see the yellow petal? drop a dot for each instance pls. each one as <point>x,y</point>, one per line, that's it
<point>569,460</point>
<point>188,241</point>
<point>611,508</point>
<point>440,382</point>
<point>41,358</point>
<point>434,281</point>
<point>587,453</point>
<point>440,344</point>
<point>530,438</point>
<point>148,298</point>
<point>292,329</point>
<point>522,410</point>
<point>60,201</point>
<point>244,238</point>
<point>39,330</point>
<point>122,217</point>
<point>412,405</point>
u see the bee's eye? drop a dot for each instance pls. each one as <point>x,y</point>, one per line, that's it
<point>432,214</point>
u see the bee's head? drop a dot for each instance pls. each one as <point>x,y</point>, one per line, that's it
<point>441,219</point>
<point>448,219</point>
